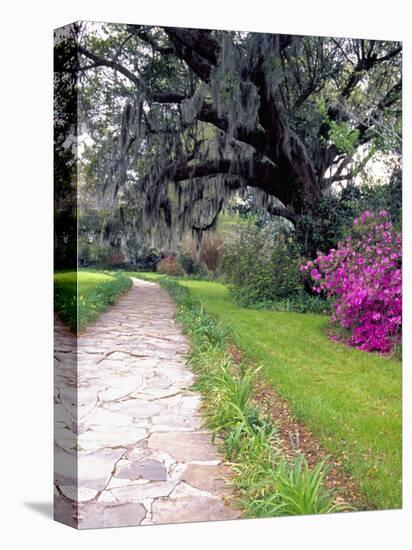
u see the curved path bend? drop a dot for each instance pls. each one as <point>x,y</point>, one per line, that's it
<point>128,427</point>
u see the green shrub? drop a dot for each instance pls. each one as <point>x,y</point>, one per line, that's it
<point>337,209</point>
<point>263,269</point>
<point>191,266</point>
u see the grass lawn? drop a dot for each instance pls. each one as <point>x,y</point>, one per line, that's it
<point>351,400</point>
<point>80,297</point>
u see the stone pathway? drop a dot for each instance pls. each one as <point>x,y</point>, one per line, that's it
<point>129,446</point>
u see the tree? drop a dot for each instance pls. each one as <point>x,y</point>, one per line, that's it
<point>65,139</point>
<point>183,118</point>
<point>337,211</point>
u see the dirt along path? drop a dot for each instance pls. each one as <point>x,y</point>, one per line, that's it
<point>127,426</point>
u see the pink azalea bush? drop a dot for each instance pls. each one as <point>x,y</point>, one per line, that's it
<point>363,276</point>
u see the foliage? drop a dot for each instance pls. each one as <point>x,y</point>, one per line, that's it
<point>263,269</point>
<point>190,265</point>
<point>339,133</point>
<point>93,249</point>
<point>364,276</point>
<point>146,261</point>
<point>99,255</point>
<point>184,119</point>
<point>81,296</point>
<point>386,196</point>
<point>338,209</point>
<point>296,490</point>
<point>169,266</point>
<point>65,154</point>
<point>95,254</point>
<point>249,439</point>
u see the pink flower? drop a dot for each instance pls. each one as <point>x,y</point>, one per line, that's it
<point>367,214</point>
<point>364,278</point>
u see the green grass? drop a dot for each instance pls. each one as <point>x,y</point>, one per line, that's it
<point>80,297</point>
<point>351,400</point>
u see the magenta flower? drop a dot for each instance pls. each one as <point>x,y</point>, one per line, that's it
<point>363,277</point>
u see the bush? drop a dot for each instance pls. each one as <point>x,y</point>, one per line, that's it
<point>169,266</point>
<point>191,266</point>
<point>146,262</point>
<point>338,209</point>
<point>93,253</point>
<point>261,268</point>
<point>364,277</point>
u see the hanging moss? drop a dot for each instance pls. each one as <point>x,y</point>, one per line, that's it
<point>138,162</point>
<point>239,82</point>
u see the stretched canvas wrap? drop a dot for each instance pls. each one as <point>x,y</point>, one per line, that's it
<point>227,275</point>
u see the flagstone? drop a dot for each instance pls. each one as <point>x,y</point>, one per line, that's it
<point>167,459</point>
<point>111,437</point>
<point>184,445</point>
<point>65,510</point>
<point>132,449</point>
<point>94,469</point>
<point>138,408</point>
<point>137,492</point>
<point>65,466</point>
<point>190,403</point>
<point>171,422</point>
<point>105,417</point>
<point>65,437</point>
<point>106,496</point>
<point>101,514</point>
<point>191,508</point>
<point>118,387</point>
<point>206,478</point>
<point>150,469</point>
